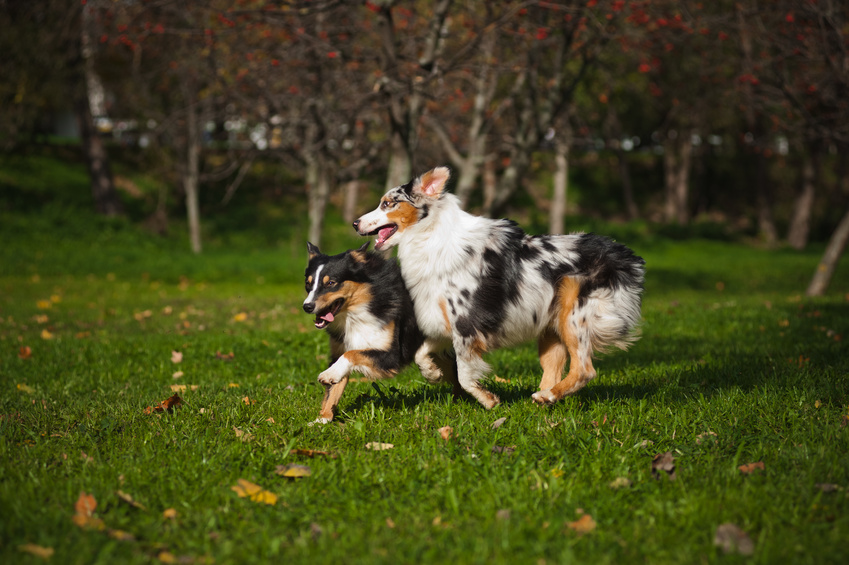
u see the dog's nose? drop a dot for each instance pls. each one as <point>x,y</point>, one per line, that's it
<point>357,225</point>
<point>309,307</point>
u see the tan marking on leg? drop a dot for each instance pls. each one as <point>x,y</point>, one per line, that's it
<point>332,394</point>
<point>364,364</point>
<point>552,357</point>
<point>444,307</point>
<point>580,364</point>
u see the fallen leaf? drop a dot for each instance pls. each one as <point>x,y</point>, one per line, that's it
<point>313,453</point>
<point>503,514</point>
<point>293,471</point>
<point>233,385</point>
<point>390,523</point>
<point>166,557</point>
<point>557,473</point>
<point>817,404</point>
<point>169,514</point>
<point>729,537</point>
<point>446,432</point>
<point>270,420</point>
<point>706,437</point>
<point>247,401</point>
<point>46,334</point>
<point>663,463</point>
<point>24,388</point>
<point>750,468</point>
<point>243,435</point>
<point>377,446</point>
<point>828,487</point>
<point>129,500</point>
<point>240,317</point>
<point>500,449</point>
<point>498,423</point>
<point>498,379</point>
<point>25,352</point>
<point>176,356</point>
<point>43,304</point>
<point>583,525</point>
<point>37,550</point>
<point>177,375</point>
<point>620,482</point>
<point>247,489</point>
<point>224,356</point>
<point>41,318</point>
<point>84,509</point>
<point>166,405</point>
<point>121,535</point>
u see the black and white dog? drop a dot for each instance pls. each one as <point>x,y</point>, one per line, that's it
<point>479,284</point>
<point>359,297</point>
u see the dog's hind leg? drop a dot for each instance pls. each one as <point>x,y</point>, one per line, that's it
<point>332,394</point>
<point>575,335</point>
<point>552,357</point>
<point>471,368</point>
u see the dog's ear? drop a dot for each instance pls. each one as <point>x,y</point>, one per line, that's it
<point>433,182</point>
<point>312,250</point>
<point>360,254</point>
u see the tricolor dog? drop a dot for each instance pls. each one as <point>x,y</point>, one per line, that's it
<point>359,297</point>
<point>479,284</point>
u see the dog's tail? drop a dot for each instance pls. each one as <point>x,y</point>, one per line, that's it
<point>611,283</point>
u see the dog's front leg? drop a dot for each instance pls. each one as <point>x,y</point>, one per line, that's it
<point>373,363</point>
<point>332,394</point>
<point>429,366</point>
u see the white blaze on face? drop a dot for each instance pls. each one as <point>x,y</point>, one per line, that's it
<point>315,283</point>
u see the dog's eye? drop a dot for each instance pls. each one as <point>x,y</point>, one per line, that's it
<point>330,284</point>
<point>385,205</point>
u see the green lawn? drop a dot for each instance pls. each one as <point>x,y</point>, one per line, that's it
<point>734,366</point>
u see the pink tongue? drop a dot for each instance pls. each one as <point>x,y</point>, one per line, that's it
<point>328,317</point>
<point>383,234</point>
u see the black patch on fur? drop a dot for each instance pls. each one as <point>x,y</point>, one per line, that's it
<point>425,212</point>
<point>391,302</point>
<point>606,264</point>
<point>466,294</point>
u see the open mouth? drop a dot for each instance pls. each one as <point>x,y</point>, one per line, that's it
<point>383,233</point>
<point>322,320</point>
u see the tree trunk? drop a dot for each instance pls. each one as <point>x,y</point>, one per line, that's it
<point>561,185</point>
<point>489,183</point>
<point>835,248</point>
<point>318,191</point>
<point>627,187</point>
<point>800,224</point>
<point>352,193</point>
<point>106,199</point>
<point>191,168</point>
<point>766,223</point>
<point>677,156</point>
<point>400,163</point>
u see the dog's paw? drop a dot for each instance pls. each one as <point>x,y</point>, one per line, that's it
<point>321,421</point>
<point>329,377</point>
<point>544,397</point>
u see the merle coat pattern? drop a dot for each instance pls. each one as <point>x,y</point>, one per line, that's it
<point>479,284</point>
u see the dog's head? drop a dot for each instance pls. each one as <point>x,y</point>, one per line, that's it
<point>403,207</point>
<point>334,283</point>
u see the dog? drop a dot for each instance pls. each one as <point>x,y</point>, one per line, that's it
<point>360,299</point>
<point>479,284</point>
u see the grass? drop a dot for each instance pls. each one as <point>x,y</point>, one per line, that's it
<point>729,347</point>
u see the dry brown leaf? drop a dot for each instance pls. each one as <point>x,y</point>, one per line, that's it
<point>707,436</point>
<point>750,468</point>
<point>620,482</point>
<point>24,388</point>
<point>46,334</point>
<point>729,537</point>
<point>313,453</point>
<point>498,423</point>
<point>25,352</point>
<point>177,375</point>
<point>243,435</point>
<point>663,463</point>
<point>828,487</point>
<point>166,405</point>
<point>121,535</point>
<point>390,523</point>
<point>247,401</point>
<point>166,557</point>
<point>378,446</point>
<point>169,514</point>
<point>129,500</point>
<point>84,509</point>
<point>583,525</point>
<point>37,550</point>
<point>445,432</point>
<point>224,356</point>
<point>247,489</point>
<point>183,388</point>
<point>176,356</point>
<point>293,471</point>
